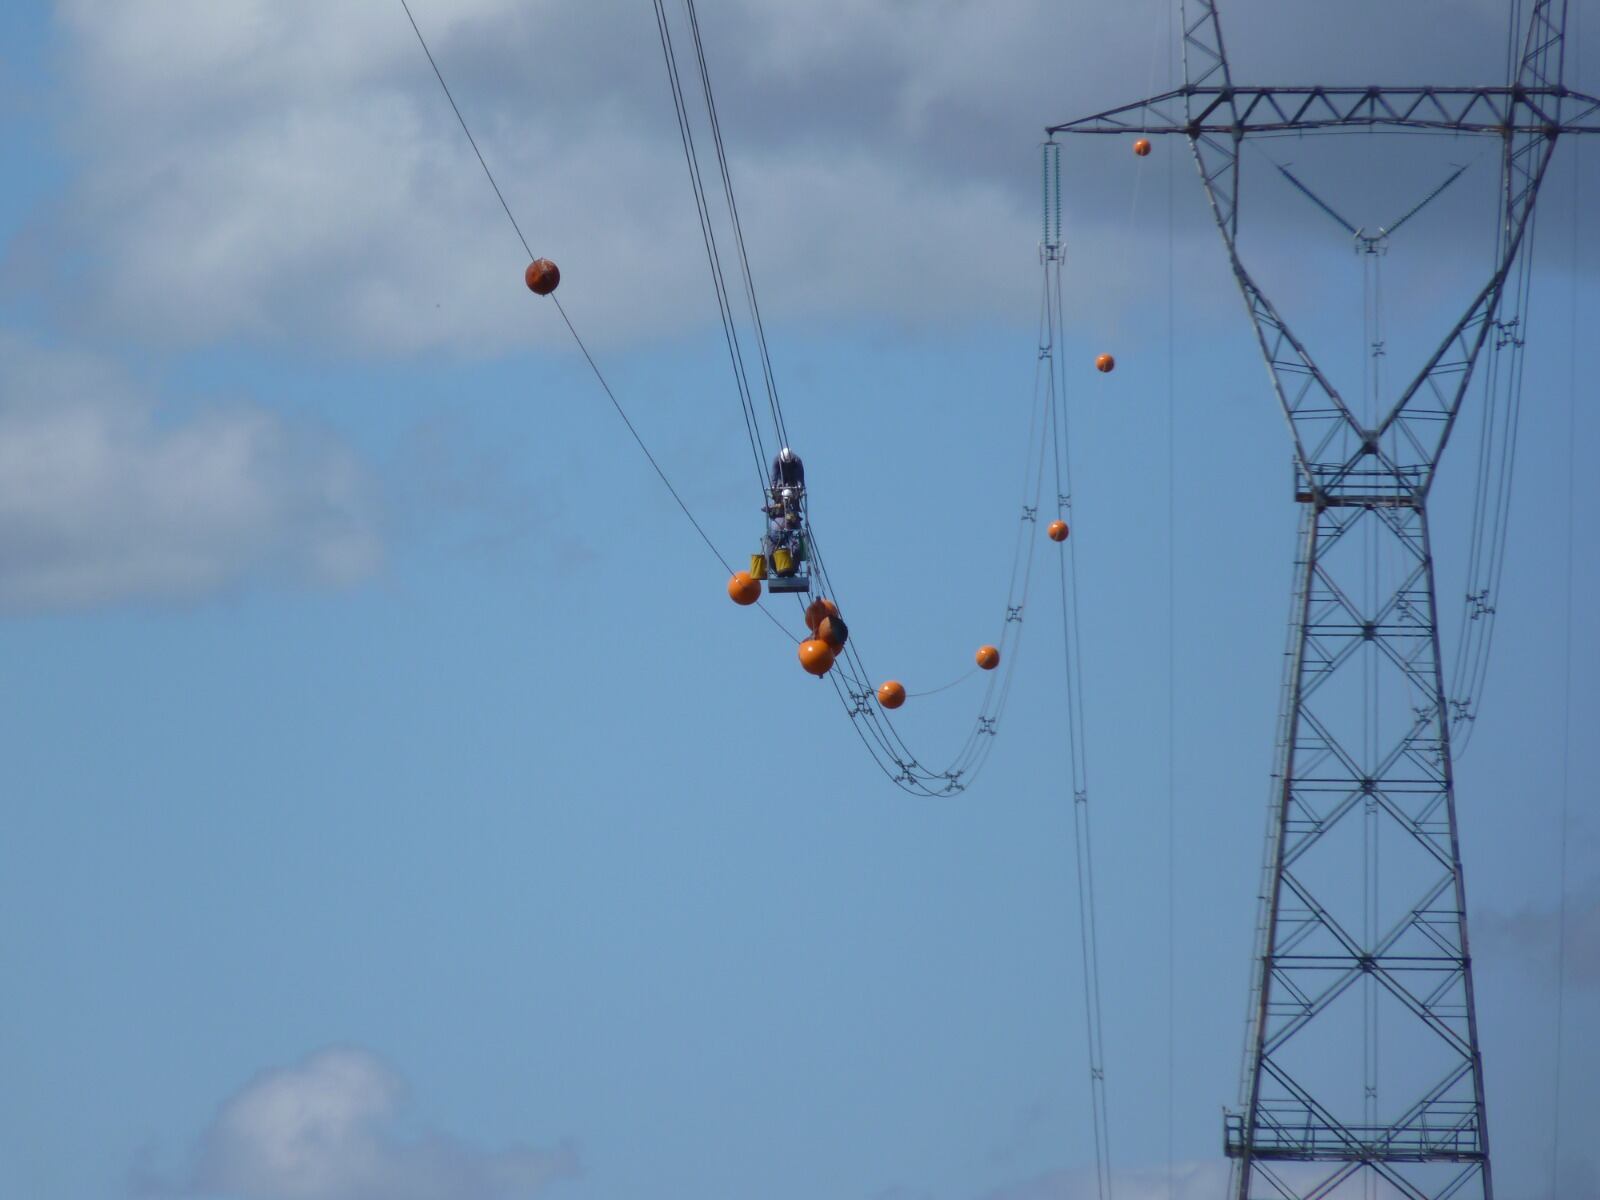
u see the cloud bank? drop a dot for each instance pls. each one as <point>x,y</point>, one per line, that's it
<point>289,171</point>
<point>327,1128</point>
<point>107,497</point>
<point>1533,938</point>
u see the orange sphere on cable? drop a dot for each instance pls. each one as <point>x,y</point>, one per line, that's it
<point>988,657</point>
<point>542,276</point>
<point>742,589</point>
<point>1105,364</point>
<point>831,629</point>
<point>818,609</point>
<point>816,656</point>
<point>1057,531</point>
<point>891,694</point>
<point>1141,147</point>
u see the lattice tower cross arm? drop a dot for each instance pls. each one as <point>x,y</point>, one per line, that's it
<point>1334,451</point>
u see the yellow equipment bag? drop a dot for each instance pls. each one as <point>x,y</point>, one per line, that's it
<point>758,566</point>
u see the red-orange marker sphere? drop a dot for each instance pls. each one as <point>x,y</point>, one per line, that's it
<point>832,629</point>
<point>818,609</point>
<point>1057,531</point>
<point>1105,364</point>
<point>742,589</point>
<point>1141,147</point>
<point>816,656</point>
<point>542,276</point>
<point>891,694</point>
<point>988,657</point>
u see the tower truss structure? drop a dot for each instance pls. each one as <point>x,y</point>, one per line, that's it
<point>1363,1074</point>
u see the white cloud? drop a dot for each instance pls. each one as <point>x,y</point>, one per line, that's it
<point>1534,938</point>
<point>289,171</point>
<point>325,1129</point>
<point>1198,1180</point>
<point>106,497</point>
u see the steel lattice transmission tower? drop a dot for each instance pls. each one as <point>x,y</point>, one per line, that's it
<point>1364,736</point>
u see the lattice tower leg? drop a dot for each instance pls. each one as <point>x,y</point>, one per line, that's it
<point>1364,933</point>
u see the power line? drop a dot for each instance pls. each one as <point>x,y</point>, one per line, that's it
<point>1072,676</point>
<point>708,235</point>
<point>1574,266</point>
<point>738,228</point>
<point>877,732</point>
<point>850,677</point>
<point>488,174</point>
<point>571,328</point>
<point>1172,521</point>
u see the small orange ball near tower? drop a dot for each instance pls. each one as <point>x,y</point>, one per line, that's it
<point>1057,531</point>
<point>988,657</point>
<point>1142,147</point>
<point>816,656</point>
<point>1105,364</point>
<point>891,694</point>
<point>742,589</point>
<point>542,276</point>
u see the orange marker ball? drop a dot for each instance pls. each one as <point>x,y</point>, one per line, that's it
<point>1057,531</point>
<point>832,629</point>
<point>891,694</point>
<point>818,609</point>
<point>542,276</point>
<point>1141,147</point>
<point>742,589</point>
<point>1105,364</point>
<point>816,656</point>
<point>988,657</point>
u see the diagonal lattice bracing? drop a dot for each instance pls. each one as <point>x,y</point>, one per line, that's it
<point>1205,61</point>
<point>1419,424</point>
<point>1200,111</point>
<point>1362,1073</point>
<point>1365,932</point>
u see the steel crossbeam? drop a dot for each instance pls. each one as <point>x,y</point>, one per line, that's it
<point>1227,111</point>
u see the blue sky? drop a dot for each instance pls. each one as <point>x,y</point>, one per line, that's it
<point>383,758</point>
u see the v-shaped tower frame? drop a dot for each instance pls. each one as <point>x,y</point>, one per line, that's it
<point>1363,1074</point>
